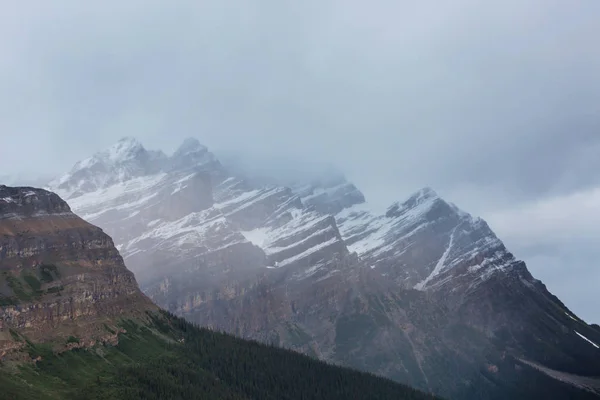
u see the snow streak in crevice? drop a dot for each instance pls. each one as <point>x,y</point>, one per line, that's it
<point>440,264</point>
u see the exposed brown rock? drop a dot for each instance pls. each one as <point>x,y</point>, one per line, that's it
<point>59,275</point>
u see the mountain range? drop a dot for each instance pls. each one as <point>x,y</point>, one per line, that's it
<point>424,293</point>
<point>75,325</point>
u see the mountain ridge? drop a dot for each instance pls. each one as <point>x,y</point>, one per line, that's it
<point>75,325</point>
<point>273,263</point>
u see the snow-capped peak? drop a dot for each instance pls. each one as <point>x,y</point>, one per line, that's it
<point>423,200</point>
<point>190,145</point>
<point>192,154</point>
<point>124,160</point>
<point>124,149</point>
<point>423,195</point>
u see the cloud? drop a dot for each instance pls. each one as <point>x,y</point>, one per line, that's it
<point>575,217</point>
<point>492,104</point>
<point>461,94</point>
<point>559,239</point>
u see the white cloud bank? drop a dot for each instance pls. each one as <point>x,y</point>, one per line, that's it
<point>559,238</point>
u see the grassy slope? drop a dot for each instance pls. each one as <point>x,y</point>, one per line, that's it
<point>151,363</point>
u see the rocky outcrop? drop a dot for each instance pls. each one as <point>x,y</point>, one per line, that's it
<point>59,275</point>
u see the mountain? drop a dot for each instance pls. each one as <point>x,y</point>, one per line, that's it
<point>425,293</point>
<point>74,325</point>
<point>61,276</point>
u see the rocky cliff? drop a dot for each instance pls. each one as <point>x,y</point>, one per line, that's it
<point>60,276</point>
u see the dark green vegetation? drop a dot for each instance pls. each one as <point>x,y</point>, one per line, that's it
<point>28,285</point>
<point>72,339</point>
<point>168,358</point>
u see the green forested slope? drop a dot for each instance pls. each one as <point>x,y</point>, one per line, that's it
<point>168,358</point>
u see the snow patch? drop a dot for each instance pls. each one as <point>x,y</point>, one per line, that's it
<point>114,197</point>
<point>257,237</point>
<point>309,237</point>
<point>196,229</point>
<point>262,196</point>
<point>570,316</point>
<point>310,271</point>
<point>186,178</point>
<point>440,264</point>
<point>324,192</point>
<point>588,340</point>
<point>496,260</point>
<point>133,214</point>
<point>178,188</point>
<point>308,252</point>
<point>238,199</point>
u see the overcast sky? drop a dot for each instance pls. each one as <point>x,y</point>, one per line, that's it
<point>496,105</point>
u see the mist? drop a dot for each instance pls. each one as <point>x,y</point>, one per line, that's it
<point>496,106</point>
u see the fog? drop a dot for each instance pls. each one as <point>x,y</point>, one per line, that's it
<point>496,106</point>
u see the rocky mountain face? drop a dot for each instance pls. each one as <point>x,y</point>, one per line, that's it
<point>424,294</point>
<point>74,325</point>
<point>60,276</point>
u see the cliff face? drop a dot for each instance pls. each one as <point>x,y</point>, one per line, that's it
<point>60,276</point>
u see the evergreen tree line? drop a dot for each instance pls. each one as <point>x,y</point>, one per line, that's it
<point>204,364</point>
<point>165,357</point>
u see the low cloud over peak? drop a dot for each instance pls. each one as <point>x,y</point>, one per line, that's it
<point>496,106</point>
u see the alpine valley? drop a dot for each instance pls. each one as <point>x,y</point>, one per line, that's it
<point>424,294</point>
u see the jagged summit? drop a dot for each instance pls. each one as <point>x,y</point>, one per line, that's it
<point>330,197</point>
<point>130,141</point>
<point>128,159</point>
<point>424,194</point>
<point>418,203</point>
<point>124,149</point>
<point>392,243</point>
<point>192,154</point>
<point>190,145</point>
<point>124,160</point>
